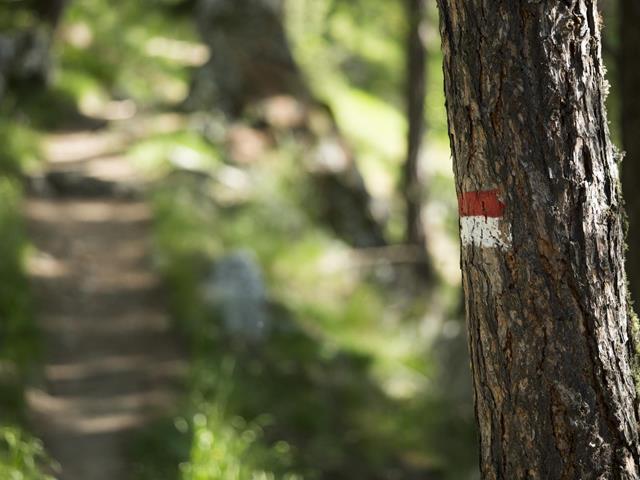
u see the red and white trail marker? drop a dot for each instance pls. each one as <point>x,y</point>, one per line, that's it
<point>481,220</point>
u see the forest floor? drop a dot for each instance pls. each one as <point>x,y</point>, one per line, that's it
<point>111,362</point>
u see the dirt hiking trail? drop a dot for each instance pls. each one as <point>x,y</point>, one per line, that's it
<point>111,362</point>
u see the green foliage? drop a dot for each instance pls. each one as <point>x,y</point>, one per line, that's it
<point>16,329</point>
<point>161,154</point>
<point>353,55</point>
<point>18,146</point>
<point>357,67</point>
<point>107,46</point>
<point>363,42</point>
<point>21,456</point>
<point>18,151</point>
<point>230,449</point>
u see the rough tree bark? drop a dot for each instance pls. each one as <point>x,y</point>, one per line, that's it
<point>542,240</point>
<point>416,92</point>
<point>251,61</point>
<point>629,75</point>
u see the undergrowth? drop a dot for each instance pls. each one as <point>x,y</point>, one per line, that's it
<point>21,455</point>
<point>341,387</point>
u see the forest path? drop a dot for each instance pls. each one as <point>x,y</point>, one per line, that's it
<point>111,363</point>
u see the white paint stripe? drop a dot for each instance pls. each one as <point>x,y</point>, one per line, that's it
<point>486,232</point>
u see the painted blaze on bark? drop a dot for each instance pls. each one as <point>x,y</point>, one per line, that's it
<point>546,305</point>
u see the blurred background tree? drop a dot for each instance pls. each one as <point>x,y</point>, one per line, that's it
<point>412,185</point>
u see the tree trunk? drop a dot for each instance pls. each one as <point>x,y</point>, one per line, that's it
<point>24,60</point>
<point>416,91</point>
<point>542,240</point>
<point>251,62</point>
<point>25,52</point>
<point>250,55</point>
<point>629,74</point>
<point>50,11</point>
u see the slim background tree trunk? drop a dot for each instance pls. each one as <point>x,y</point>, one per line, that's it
<point>50,10</point>
<point>629,76</point>
<point>416,91</point>
<point>542,240</point>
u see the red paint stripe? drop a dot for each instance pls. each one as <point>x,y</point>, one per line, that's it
<point>485,204</point>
